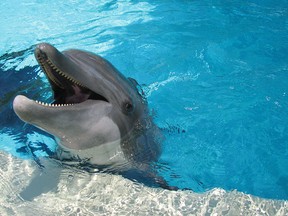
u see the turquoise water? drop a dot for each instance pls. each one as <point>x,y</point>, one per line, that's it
<point>215,74</point>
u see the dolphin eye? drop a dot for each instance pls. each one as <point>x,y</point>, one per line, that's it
<point>128,107</point>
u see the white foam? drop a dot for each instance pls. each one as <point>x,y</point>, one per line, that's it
<point>172,78</point>
<point>103,194</point>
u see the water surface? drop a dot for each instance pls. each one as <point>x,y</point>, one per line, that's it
<point>215,75</point>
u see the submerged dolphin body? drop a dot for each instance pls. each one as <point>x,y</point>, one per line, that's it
<point>97,116</point>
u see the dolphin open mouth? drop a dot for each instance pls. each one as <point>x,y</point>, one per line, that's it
<point>66,89</point>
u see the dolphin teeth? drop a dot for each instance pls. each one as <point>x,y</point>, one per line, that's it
<point>63,74</point>
<point>67,77</point>
<point>44,104</point>
<point>50,63</point>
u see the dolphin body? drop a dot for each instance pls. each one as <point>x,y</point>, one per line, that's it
<point>98,115</point>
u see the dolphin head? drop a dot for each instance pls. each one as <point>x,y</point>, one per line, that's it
<point>95,106</point>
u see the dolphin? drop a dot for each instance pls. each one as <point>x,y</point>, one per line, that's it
<point>98,115</point>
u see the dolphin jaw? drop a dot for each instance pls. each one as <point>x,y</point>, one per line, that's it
<point>61,81</point>
<point>49,67</point>
<point>23,105</point>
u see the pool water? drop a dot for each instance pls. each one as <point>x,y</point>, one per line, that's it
<point>215,75</point>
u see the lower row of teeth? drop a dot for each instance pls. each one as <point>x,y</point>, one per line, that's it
<point>52,105</point>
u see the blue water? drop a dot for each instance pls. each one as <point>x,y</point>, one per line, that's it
<point>215,74</point>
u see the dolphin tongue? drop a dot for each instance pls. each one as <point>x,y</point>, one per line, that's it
<point>73,94</point>
<point>79,95</point>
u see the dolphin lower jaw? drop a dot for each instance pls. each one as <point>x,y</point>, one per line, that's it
<point>60,121</point>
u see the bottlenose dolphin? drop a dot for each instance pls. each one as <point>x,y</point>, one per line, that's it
<point>98,115</point>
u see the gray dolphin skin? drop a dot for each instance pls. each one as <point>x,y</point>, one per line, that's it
<point>98,115</point>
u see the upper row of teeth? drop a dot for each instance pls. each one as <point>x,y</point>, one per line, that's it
<point>52,105</point>
<point>62,74</point>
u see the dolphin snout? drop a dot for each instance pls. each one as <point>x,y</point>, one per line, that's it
<point>21,108</point>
